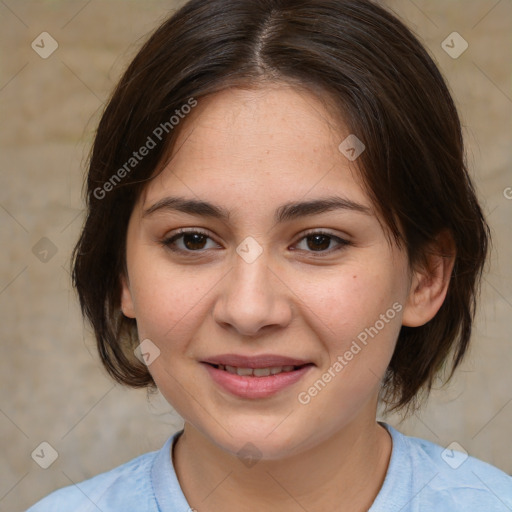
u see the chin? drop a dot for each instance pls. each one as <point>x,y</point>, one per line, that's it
<point>267,440</point>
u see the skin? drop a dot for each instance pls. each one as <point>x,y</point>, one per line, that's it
<point>250,151</point>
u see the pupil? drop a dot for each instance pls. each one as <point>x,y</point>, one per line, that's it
<point>319,246</point>
<point>194,236</point>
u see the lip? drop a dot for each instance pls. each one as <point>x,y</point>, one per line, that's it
<point>251,387</point>
<point>259,361</point>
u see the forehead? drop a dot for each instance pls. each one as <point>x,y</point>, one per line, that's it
<point>265,145</point>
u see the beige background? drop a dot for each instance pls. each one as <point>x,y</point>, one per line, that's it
<point>52,386</point>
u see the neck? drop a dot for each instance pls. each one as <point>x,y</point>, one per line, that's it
<point>347,469</point>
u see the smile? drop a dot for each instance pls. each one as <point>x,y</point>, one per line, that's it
<point>255,377</point>
<point>257,372</point>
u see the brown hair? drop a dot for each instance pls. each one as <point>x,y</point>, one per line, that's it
<point>392,96</point>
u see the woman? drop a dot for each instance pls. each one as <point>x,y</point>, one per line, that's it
<point>281,234</point>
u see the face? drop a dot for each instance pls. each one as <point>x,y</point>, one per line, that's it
<point>274,325</point>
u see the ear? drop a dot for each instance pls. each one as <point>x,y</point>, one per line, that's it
<point>127,306</point>
<point>429,284</point>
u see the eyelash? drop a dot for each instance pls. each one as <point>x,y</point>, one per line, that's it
<point>169,241</point>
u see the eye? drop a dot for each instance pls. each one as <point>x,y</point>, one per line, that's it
<point>193,240</point>
<point>318,241</point>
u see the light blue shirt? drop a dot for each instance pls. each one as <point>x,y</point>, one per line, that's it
<point>421,477</point>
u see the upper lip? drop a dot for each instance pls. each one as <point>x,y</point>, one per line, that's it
<point>259,361</point>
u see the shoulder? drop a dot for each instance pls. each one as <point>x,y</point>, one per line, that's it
<point>450,479</point>
<point>127,487</point>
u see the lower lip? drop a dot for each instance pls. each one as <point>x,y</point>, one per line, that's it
<point>255,387</point>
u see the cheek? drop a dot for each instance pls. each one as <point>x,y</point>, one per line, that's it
<point>168,300</point>
<point>360,314</point>
<point>352,299</point>
<point>357,319</point>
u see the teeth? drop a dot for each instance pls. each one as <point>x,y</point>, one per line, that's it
<point>256,372</point>
<point>244,371</point>
<point>261,372</point>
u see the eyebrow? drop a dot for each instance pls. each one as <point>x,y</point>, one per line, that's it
<point>284,213</point>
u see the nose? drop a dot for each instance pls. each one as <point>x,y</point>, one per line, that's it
<point>253,298</point>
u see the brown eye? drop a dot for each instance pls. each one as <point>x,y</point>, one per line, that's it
<point>320,241</point>
<point>193,241</point>
<point>196,241</point>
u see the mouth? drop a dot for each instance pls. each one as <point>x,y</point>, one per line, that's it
<point>255,377</point>
<point>258,372</point>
